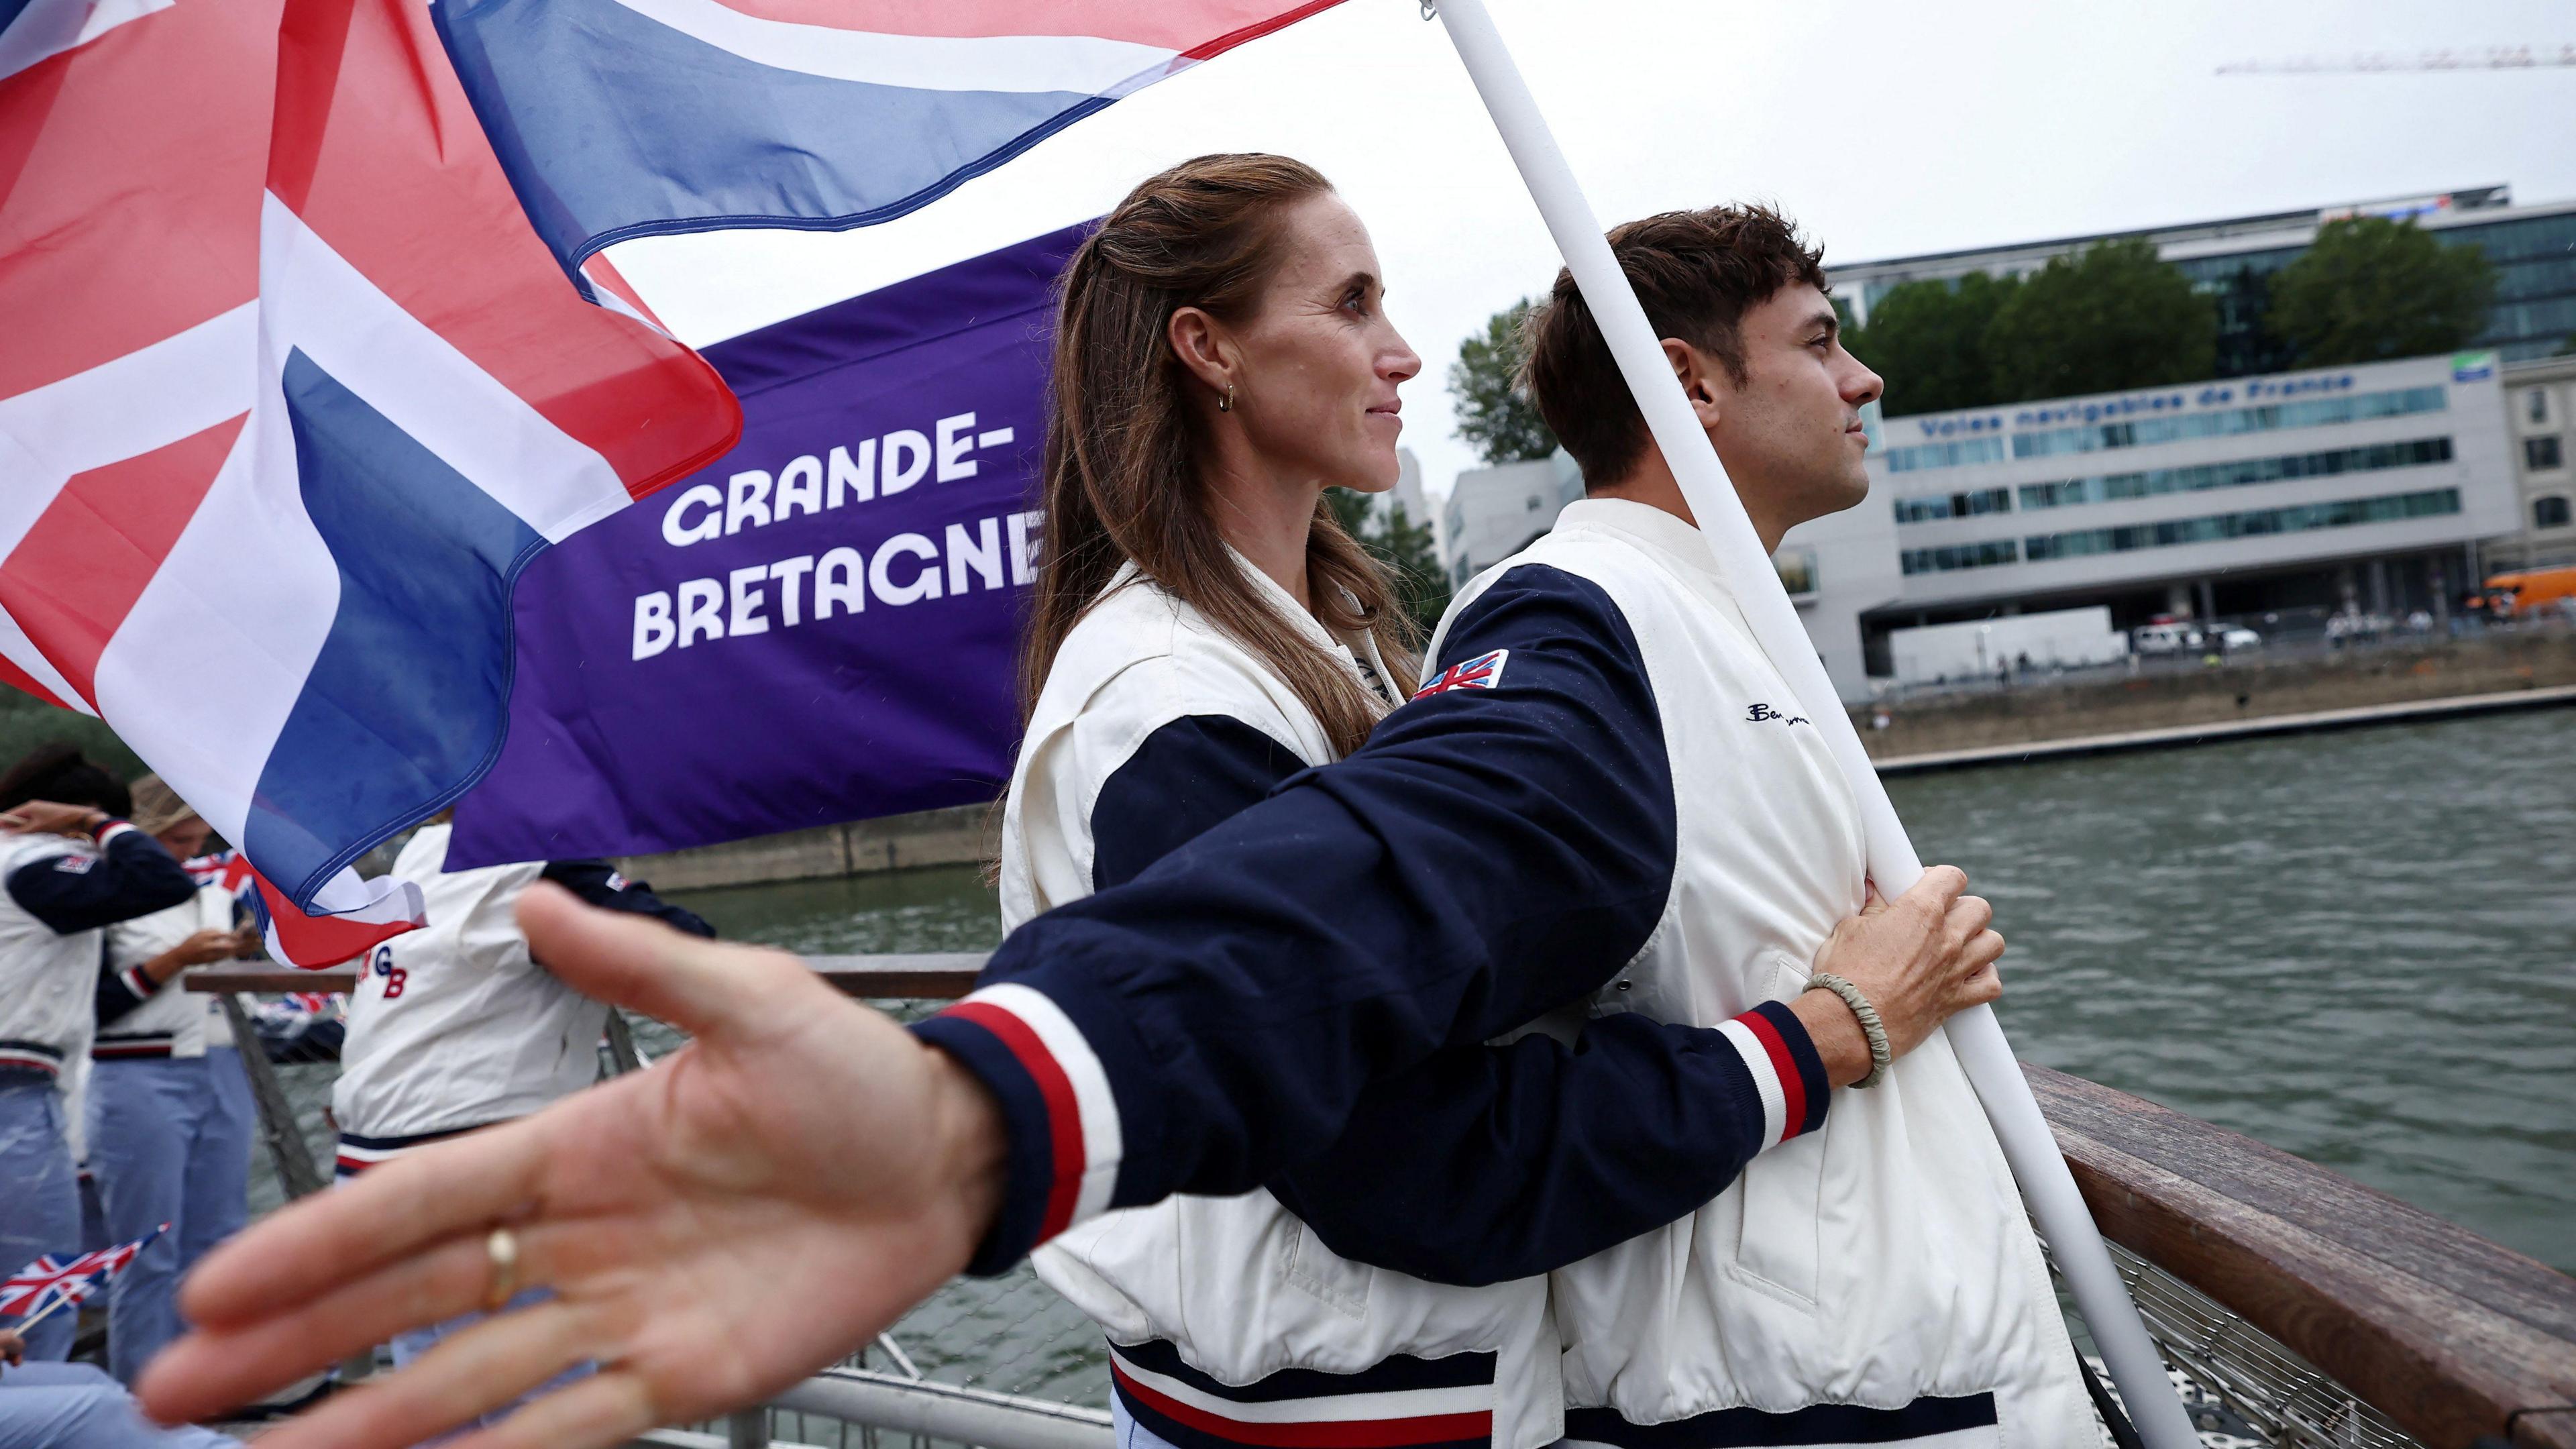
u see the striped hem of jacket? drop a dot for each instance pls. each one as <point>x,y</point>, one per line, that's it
<point>32,1057</point>
<point>356,1154</point>
<point>130,1047</point>
<point>1967,1422</point>
<point>1402,1402</point>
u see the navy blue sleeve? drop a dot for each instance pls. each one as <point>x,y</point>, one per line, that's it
<point>120,990</point>
<point>1498,848</point>
<point>599,883</point>
<point>1187,777</point>
<point>1483,1165</point>
<point>73,893</point>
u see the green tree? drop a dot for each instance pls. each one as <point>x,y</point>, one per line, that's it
<point>26,722</point>
<point>2107,319</point>
<point>1405,546</point>
<point>1928,340</point>
<point>1495,416</point>
<point>2370,289</point>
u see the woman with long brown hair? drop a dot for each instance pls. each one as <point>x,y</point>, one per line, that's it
<point>1203,630</point>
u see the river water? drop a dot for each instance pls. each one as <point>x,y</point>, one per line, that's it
<point>2359,948</point>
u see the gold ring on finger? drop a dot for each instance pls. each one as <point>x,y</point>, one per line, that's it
<point>502,1248</point>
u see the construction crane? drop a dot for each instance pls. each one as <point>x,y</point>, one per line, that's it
<point>2488,57</point>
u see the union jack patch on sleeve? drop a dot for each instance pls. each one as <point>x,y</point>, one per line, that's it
<point>75,864</point>
<point>1485,671</point>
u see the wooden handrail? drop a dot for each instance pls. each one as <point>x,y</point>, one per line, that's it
<point>2432,1325</point>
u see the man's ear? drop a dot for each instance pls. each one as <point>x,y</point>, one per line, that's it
<point>1702,380</point>
<point>1199,341</point>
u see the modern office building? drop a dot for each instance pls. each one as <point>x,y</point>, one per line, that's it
<point>1493,513</point>
<point>2539,401</point>
<point>2533,247</point>
<point>2362,488</point>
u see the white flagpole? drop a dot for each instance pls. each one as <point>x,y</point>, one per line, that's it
<point>1974,1035</point>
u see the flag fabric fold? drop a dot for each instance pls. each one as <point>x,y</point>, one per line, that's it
<point>625,118</point>
<point>301,394</point>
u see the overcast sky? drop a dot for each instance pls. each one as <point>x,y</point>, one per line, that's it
<point>1886,128</point>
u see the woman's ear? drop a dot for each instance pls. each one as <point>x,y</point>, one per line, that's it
<point>1199,341</point>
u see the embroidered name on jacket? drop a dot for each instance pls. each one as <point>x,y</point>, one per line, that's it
<point>1757,713</point>
<point>1485,671</point>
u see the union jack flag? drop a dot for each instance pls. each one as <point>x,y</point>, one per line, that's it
<point>44,1284</point>
<point>1485,671</point>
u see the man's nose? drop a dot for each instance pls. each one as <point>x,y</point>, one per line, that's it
<point>1863,388</point>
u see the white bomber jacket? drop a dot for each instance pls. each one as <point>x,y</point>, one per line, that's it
<point>1873,1282</point>
<point>456,1026</point>
<point>1228,1320</point>
<point>57,898</point>
<point>141,1019</point>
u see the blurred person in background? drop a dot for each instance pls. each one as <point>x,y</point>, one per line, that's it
<point>70,867</point>
<point>457,1027</point>
<point>76,1406</point>
<point>169,1106</point>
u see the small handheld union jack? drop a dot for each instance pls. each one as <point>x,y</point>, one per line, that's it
<point>227,868</point>
<point>35,1291</point>
<point>1485,671</point>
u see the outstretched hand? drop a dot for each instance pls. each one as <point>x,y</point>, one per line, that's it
<point>756,1205</point>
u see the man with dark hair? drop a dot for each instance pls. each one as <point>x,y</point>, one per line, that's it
<point>1724,288</point>
<point>1881,1285</point>
<point>71,867</point>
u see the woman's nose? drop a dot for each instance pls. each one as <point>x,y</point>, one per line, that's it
<point>1400,364</point>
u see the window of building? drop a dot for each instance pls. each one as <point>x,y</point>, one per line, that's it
<point>2370,458</point>
<point>2342,513</point>
<point>2225,422</point>
<point>1954,505</point>
<point>1959,556</point>
<point>2540,453</point>
<point>1797,568</point>
<point>2549,511</point>
<point>1945,455</point>
<point>2535,405</point>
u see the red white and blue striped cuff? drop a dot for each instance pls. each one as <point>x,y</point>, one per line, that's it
<point>1056,1103</point>
<point>1787,1073</point>
<point>110,829</point>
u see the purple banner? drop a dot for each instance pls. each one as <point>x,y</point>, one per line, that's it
<point>821,626</point>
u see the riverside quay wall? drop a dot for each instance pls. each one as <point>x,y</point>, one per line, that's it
<point>959,835</point>
<point>2244,688</point>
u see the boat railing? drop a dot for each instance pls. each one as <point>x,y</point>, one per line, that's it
<point>2289,1300</point>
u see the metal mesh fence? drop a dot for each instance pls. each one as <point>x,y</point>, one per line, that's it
<point>2243,1388</point>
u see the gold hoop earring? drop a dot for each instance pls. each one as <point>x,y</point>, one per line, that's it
<point>1225,404</point>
